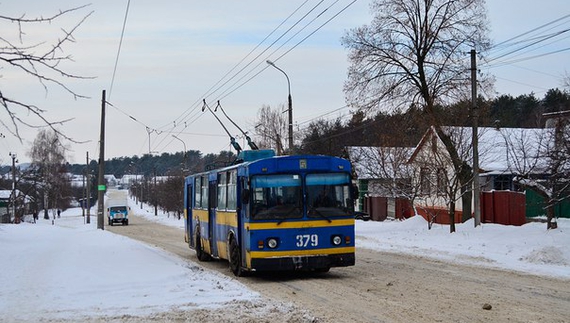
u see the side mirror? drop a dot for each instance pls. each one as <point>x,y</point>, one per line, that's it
<point>355,192</point>
<point>245,196</point>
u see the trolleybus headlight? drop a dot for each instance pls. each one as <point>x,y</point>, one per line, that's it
<point>272,243</point>
<point>336,240</point>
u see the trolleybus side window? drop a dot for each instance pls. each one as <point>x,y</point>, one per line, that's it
<point>227,194</point>
<point>204,195</point>
<point>276,196</point>
<point>328,195</point>
<point>232,191</point>
<point>222,190</point>
<point>197,192</point>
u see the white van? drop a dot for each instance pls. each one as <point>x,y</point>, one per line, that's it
<point>118,214</point>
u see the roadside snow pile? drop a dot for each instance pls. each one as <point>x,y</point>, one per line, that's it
<point>529,248</point>
<point>546,256</point>
<point>72,270</point>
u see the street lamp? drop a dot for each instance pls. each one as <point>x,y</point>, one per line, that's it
<point>184,149</point>
<point>290,109</point>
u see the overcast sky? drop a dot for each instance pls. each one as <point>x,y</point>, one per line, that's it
<point>176,53</point>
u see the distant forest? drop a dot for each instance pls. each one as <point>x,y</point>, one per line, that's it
<point>329,137</point>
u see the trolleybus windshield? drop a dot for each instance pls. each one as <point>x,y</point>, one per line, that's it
<point>328,195</point>
<point>276,196</point>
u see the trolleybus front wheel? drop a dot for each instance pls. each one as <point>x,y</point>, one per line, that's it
<point>235,258</point>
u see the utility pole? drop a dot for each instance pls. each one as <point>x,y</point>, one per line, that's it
<point>101,182</point>
<point>155,195</point>
<point>88,199</point>
<point>475,140</point>
<point>16,220</point>
<point>84,201</point>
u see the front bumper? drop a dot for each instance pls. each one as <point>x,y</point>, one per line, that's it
<point>302,262</point>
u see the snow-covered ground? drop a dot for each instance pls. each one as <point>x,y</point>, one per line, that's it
<point>71,270</point>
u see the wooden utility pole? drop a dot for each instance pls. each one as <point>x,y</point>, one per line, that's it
<point>88,197</point>
<point>155,194</point>
<point>475,140</point>
<point>101,182</point>
<point>14,195</point>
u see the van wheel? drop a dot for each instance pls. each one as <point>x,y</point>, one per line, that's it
<point>235,258</point>
<point>200,254</point>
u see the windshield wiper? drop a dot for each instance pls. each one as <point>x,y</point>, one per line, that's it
<point>282,218</point>
<point>320,214</point>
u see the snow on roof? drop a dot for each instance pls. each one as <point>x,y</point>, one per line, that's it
<point>513,150</point>
<point>504,150</point>
<point>5,194</point>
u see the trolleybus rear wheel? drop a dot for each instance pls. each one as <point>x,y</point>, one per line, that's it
<point>200,254</point>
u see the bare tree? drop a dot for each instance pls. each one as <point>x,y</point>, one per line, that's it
<point>271,128</point>
<point>414,54</point>
<point>540,159</point>
<point>40,61</point>
<point>48,158</point>
<point>388,170</point>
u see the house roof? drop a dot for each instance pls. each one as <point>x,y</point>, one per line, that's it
<point>5,194</point>
<point>378,162</point>
<point>501,150</point>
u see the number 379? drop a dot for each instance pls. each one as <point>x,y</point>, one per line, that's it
<point>304,240</point>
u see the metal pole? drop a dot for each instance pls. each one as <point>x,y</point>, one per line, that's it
<point>101,181</point>
<point>183,143</point>
<point>290,106</point>
<point>475,140</point>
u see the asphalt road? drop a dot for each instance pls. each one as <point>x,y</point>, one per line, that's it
<point>387,287</point>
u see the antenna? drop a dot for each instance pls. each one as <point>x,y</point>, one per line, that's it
<point>250,143</point>
<point>233,141</point>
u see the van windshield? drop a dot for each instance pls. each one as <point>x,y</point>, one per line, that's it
<point>117,209</point>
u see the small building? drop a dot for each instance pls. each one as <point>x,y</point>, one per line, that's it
<point>383,178</point>
<point>504,153</point>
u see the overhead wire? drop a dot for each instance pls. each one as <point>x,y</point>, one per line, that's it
<point>119,50</point>
<point>192,114</point>
<point>234,87</point>
<point>520,48</point>
<point>198,101</point>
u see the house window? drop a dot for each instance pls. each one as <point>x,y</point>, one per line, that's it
<point>502,182</point>
<point>424,181</point>
<point>441,181</point>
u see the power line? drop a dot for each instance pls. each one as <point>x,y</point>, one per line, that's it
<point>192,114</point>
<point>234,87</point>
<point>119,50</point>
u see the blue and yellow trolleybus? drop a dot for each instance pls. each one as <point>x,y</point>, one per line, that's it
<point>271,213</point>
